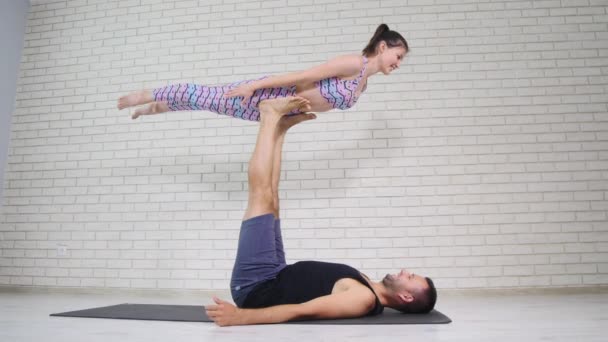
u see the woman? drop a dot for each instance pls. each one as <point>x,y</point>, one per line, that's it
<point>336,84</point>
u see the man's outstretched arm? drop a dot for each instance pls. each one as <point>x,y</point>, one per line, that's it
<point>347,304</point>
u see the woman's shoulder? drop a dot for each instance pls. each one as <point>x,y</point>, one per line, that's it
<point>352,57</point>
<point>353,61</point>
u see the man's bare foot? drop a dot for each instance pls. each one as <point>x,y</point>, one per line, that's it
<point>135,98</point>
<point>152,108</point>
<point>287,121</point>
<point>283,105</point>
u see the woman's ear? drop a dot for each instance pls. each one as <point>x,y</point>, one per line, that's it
<point>382,46</point>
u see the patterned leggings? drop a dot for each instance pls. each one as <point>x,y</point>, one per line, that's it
<point>189,96</point>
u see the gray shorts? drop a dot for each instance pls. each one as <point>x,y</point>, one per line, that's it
<point>260,255</point>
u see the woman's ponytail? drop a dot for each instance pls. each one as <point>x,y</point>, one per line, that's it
<point>392,39</point>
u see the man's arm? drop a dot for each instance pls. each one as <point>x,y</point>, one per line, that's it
<point>348,304</point>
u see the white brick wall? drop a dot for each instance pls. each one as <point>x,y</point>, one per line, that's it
<point>482,162</point>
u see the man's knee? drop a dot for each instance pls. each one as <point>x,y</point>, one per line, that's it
<point>262,200</point>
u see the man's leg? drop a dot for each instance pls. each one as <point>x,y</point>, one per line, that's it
<point>256,258</point>
<point>260,172</point>
<point>284,124</point>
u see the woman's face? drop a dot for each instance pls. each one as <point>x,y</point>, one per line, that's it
<point>390,57</point>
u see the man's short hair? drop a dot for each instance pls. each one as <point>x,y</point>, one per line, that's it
<point>423,302</point>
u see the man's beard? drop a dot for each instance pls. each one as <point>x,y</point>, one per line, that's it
<point>388,282</point>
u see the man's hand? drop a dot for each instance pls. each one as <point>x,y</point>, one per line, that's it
<point>224,313</point>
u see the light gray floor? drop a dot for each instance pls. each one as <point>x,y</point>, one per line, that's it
<point>552,316</point>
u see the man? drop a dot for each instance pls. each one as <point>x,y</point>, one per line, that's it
<point>264,287</point>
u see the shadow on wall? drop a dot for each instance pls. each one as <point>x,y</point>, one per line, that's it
<point>13,15</point>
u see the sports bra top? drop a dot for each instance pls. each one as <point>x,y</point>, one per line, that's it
<point>340,93</point>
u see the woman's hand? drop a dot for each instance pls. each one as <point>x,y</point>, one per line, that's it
<point>224,313</point>
<point>245,90</point>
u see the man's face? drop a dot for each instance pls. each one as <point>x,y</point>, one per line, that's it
<point>405,282</point>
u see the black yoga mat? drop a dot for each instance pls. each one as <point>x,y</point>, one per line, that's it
<point>196,313</point>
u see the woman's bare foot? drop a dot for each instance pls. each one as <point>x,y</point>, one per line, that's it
<point>152,108</point>
<point>135,98</point>
<point>287,121</point>
<point>283,105</point>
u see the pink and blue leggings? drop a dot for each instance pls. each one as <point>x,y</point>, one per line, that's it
<point>189,96</point>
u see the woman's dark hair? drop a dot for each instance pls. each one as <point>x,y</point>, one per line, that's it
<point>391,38</point>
